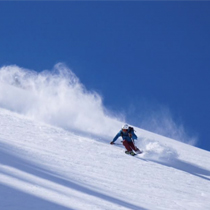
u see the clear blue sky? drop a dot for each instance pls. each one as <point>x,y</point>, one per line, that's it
<point>139,55</point>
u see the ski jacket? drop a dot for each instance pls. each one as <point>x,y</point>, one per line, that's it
<point>125,136</point>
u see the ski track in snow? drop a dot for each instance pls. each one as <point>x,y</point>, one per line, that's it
<point>46,167</point>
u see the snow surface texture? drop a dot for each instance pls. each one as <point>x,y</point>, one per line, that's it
<point>45,167</point>
<point>53,156</point>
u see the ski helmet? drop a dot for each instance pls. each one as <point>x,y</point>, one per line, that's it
<point>125,127</point>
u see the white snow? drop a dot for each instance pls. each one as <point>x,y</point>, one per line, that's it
<point>46,167</point>
<point>55,153</point>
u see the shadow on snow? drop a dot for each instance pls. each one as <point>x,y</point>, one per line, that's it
<point>187,167</point>
<point>13,199</point>
<point>6,158</point>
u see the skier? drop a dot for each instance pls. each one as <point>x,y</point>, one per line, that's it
<point>128,136</point>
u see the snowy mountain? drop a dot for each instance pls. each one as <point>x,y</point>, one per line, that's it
<point>55,153</point>
<point>45,167</point>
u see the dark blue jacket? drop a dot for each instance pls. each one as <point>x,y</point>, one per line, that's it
<point>125,136</point>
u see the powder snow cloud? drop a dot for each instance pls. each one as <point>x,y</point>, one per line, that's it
<point>56,97</point>
<point>59,98</point>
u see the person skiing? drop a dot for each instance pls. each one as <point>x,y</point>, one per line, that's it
<point>128,136</point>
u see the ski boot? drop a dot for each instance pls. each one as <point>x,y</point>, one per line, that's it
<point>130,153</point>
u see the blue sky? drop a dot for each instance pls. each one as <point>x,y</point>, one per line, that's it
<point>146,59</point>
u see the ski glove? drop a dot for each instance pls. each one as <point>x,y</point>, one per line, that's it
<point>111,142</point>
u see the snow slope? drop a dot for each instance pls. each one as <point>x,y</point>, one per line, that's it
<point>46,167</point>
<point>55,152</point>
